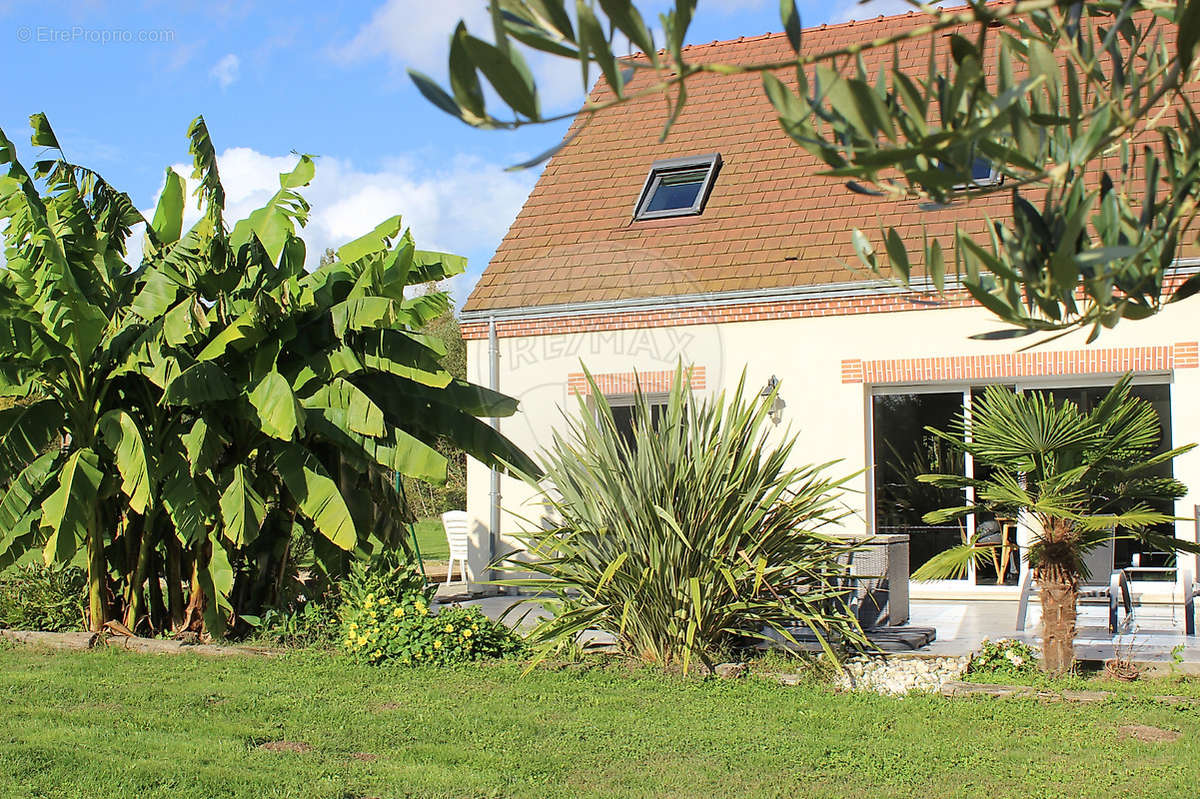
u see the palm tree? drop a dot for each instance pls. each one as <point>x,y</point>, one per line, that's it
<point>1080,478</point>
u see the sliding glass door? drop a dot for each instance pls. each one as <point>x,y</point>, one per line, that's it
<point>902,448</point>
<point>1159,396</point>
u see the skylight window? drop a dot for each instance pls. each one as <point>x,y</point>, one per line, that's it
<point>982,174</point>
<point>677,187</point>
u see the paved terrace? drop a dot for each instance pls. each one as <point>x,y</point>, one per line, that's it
<point>1153,635</point>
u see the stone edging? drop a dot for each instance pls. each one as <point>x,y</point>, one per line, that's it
<point>960,689</point>
<point>84,641</point>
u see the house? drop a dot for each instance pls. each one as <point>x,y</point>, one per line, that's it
<point>724,248</point>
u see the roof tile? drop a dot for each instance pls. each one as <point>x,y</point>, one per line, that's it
<point>575,239</point>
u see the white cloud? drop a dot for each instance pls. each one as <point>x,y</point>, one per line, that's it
<point>225,71</point>
<point>464,206</point>
<point>845,12</point>
<point>416,34</point>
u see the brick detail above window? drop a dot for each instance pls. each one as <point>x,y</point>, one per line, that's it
<point>966,368</point>
<point>627,382</point>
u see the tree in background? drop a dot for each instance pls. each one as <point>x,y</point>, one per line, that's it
<point>1087,115</point>
<point>427,500</point>
<point>184,423</point>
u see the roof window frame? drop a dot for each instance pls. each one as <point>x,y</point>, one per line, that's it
<point>994,177</point>
<point>711,162</point>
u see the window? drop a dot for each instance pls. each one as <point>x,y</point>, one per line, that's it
<point>677,187</point>
<point>982,174</point>
<point>623,412</point>
<point>904,450</point>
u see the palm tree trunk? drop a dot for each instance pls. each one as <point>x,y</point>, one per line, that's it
<point>1057,576</point>
<point>1060,596</point>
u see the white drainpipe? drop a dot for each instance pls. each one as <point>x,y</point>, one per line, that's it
<point>494,385</point>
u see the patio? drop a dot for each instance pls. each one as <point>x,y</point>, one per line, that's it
<point>1155,630</point>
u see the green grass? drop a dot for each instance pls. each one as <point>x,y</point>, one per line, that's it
<point>431,537</point>
<point>111,724</point>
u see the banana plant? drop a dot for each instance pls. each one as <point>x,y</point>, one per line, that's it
<point>183,420</point>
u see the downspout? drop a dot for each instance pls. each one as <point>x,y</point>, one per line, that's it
<point>494,495</point>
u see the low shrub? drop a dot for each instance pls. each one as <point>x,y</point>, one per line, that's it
<point>309,624</point>
<point>1006,656</point>
<point>386,616</point>
<point>40,597</point>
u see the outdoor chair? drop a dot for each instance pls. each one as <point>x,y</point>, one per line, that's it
<point>1191,585</point>
<point>1001,536</point>
<point>1103,583</point>
<point>877,576</point>
<point>1182,575</point>
<point>1190,588</point>
<point>457,527</point>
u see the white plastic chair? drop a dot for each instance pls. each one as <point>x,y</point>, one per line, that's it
<point>1105,582</point>
<point>456,525</point>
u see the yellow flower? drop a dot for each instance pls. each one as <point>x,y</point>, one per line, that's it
<point>466,633</point>
<point>449,628</point>
<point>437,644</point>
<point>383,600</point>
<point>377,654</point>
<point>362,640</point>
<point>398,612</point>
<point>353,626</point>
<point>424,611</point>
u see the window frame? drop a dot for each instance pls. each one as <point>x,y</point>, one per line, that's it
<point>994,178</point>
<point>628,401</point>
<point>710,162</point>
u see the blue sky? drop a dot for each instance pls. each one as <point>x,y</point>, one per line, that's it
<point>120,81</point>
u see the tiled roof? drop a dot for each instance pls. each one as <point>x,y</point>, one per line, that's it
<point>771,221</point>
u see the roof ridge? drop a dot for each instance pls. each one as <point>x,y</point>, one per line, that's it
<point>823,26</point>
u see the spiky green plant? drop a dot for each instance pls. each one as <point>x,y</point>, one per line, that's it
<point>694,537</point>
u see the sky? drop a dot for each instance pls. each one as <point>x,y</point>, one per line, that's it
<point>121,81</point>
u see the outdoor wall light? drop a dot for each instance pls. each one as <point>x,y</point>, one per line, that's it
<point>777,406</point>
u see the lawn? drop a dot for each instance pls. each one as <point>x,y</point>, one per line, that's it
<point>431,538</point>
<point>110,724</point>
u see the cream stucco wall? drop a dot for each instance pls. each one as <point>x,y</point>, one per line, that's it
<point>828,417</point>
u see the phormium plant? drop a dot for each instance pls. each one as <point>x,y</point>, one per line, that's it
<point>692,537</point>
